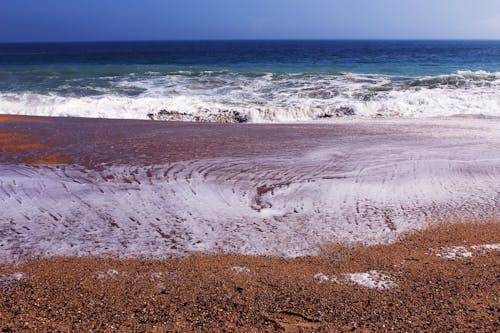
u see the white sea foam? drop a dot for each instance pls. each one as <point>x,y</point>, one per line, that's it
<point>240,269</point>
<point>270,97</point>
<point>371,279</point>
<point>348,190</point>
<point>487,247</point>
<point>320,278</point>
<point>108,274</point>
<point>455,252</point>
<point>10,280</point>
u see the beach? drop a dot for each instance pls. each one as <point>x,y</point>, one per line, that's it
<point>345,225</point>
<point>249,186</point>
<point>419,284</point>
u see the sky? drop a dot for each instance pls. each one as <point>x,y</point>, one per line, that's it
<point>104,20</point>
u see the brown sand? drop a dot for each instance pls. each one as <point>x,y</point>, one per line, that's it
<point>7,118</point>
<point>94,142</point>
<point>16,139</point>
<point>50,159</point>
<point>204,293</point>
<point>13,142</point>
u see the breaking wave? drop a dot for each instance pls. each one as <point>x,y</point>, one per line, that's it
<point>255,97</point>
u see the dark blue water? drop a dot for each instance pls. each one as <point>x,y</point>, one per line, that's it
<point>239,74</point>
<point>382,57</point>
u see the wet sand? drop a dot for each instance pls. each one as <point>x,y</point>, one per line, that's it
<point>122,188</point>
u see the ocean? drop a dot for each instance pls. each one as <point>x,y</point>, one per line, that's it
<point>251,81</point>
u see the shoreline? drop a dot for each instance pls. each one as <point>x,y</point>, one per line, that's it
<point>161,189</point>
<point>78,193</point>
<point>15,117</point>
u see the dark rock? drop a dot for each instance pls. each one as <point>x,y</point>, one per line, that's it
<point>240,118</point>
<point>345,111</point>
<point>220,116</point>
<point>339,112</point>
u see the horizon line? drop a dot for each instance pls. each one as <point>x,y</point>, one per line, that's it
<point>245,39</point>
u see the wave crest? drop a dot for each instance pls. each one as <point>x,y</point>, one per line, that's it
<point>267,97</point>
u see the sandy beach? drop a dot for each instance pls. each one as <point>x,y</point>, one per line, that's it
<point>442,279</point>
<point>126,225</point>
<point>249,166</point>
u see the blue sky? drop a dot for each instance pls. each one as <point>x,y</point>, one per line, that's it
<point>77,20</point>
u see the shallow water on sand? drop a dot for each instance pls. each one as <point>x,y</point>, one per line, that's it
<point>160,189</point>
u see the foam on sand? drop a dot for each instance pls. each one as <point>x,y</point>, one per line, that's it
<point>9,280</point>
<point>457,252</point>
<point>371,279</point>
<point>370,187</point>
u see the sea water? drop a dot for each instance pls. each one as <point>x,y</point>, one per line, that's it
<point>255,81</point>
